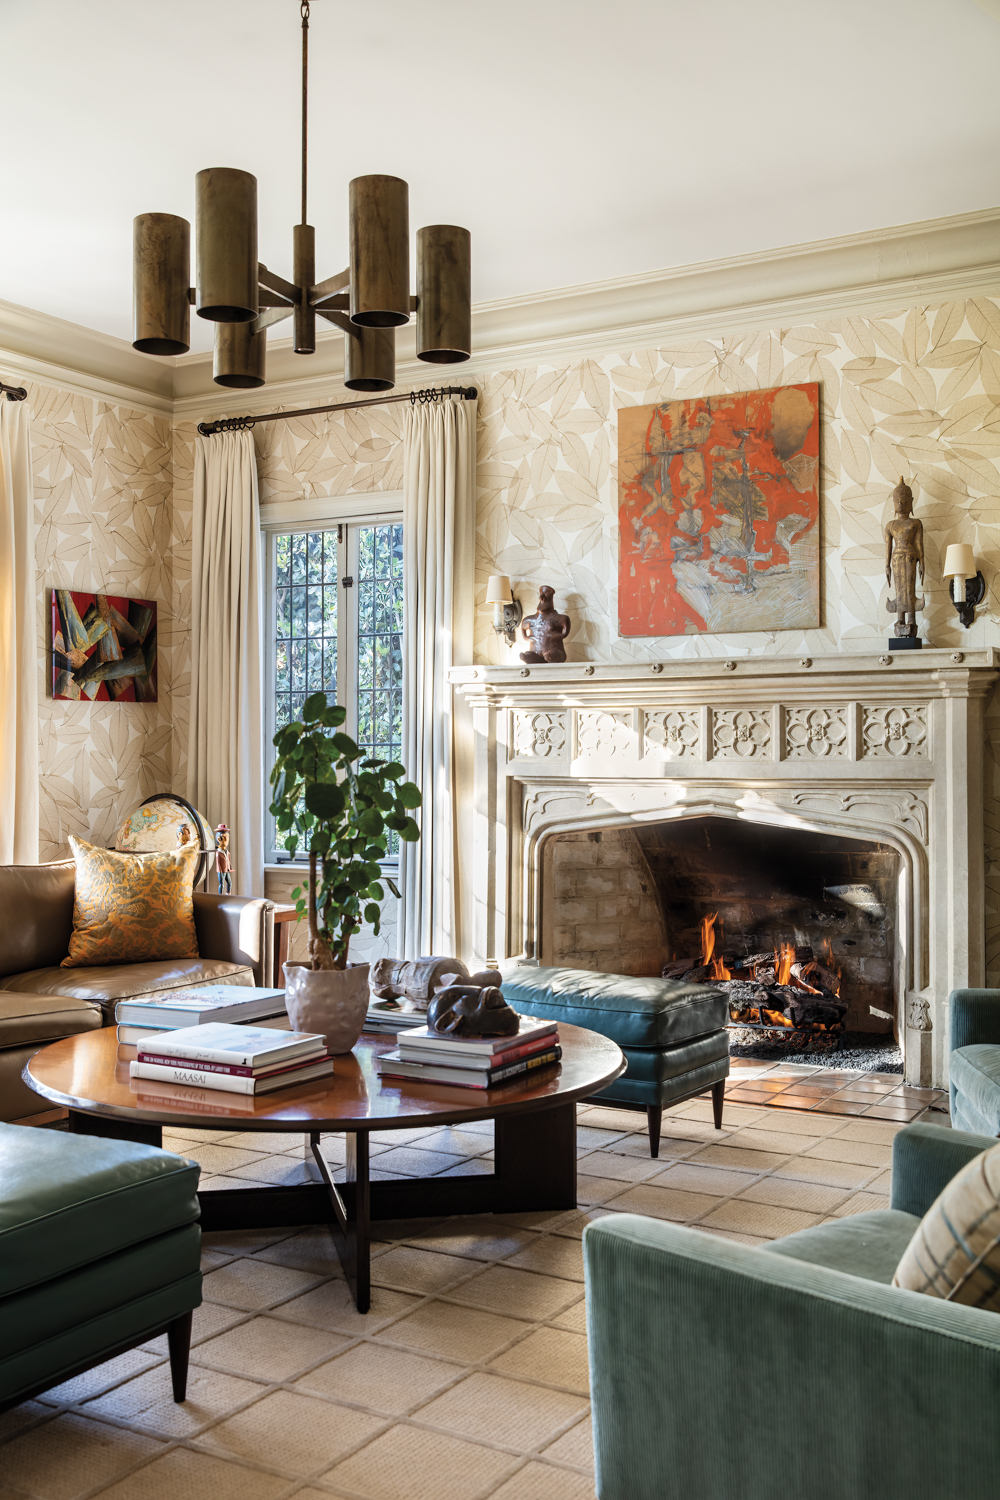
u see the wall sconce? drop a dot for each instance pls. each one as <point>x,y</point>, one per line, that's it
<point>506,609</point>
<point>964,578</point>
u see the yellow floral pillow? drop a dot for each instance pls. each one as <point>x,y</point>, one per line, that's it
<point>131,908</point>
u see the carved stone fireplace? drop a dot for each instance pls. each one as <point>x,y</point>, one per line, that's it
<point>839,761</point>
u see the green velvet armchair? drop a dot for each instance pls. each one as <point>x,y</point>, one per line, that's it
<point>721,1371</point>
<point>974,1063</point>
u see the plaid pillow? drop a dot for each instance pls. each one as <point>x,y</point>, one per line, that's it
<point>131,908</point>
<point>955,1252</point>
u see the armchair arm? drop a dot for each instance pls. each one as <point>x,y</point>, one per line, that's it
<point>720,1370</point>
<point>924,1160</point>
<point>238,929</point>
<point>973,1016</point>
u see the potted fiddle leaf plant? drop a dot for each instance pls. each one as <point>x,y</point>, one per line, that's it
<point>343,806</point>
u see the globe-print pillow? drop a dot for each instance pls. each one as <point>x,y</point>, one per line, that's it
<point>955,1252</point>
<point>132,908</point>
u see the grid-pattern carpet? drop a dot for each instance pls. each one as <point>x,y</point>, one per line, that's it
<point>468,1378</point>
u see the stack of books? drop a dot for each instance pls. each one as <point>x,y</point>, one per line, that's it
<point>237,1059</point>
<point>211,1002</point>
<point>472,1062</point>
<point>387,1017</point>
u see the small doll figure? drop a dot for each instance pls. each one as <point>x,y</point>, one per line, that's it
<point>183,835</point>
<point>223,864</point>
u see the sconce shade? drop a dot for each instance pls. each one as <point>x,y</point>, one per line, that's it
<point>239,356</point>
<point>161,276</point>
<point>959,561</point>
<point>498,589</point>
<point>226,234</point>
<point>444,294</point>
<point>370,359</point>
<point>380,252</point>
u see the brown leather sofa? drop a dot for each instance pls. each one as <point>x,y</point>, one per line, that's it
<point>41,1002</point>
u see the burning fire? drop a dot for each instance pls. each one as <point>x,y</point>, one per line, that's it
<point>716,966</point>
<point>783,963</point>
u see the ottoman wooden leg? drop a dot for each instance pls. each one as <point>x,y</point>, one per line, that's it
<point>718,1098</point>
<point>654,1116</point>
<point>179,1345</point>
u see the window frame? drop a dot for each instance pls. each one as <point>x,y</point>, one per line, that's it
<point>280,518</point>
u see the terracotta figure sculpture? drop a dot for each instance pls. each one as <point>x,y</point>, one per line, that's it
<point>223,863</point>
<point>467,1010</point>
<point>416,981</point>
<point>546,630</point>
<point>904,561</point>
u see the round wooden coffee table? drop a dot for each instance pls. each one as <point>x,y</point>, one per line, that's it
<point>535,1145</point>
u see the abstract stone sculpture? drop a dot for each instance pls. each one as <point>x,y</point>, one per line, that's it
<point>467,1010</point>
<point>546,629</point>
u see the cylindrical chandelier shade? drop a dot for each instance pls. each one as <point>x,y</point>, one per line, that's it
<point>304,272</point>
<point>370,359</point>
<point>444,294</point>
<point>226,233</point>
<point>380,252</point>
<point>161,276</point>
<point>239,356</point>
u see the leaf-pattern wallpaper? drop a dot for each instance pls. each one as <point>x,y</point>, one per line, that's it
<point>103,508</point>
<point>914,391</point>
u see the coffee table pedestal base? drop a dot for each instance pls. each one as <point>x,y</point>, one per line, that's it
<point>535,1170</point>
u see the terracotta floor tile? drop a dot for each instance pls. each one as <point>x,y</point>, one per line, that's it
<point>784,1192</point>
<point>184,1474</point>
<point>254,1284</point>
<point>332,1306</point>
<point>860,1203</point>
<point>409,1269</point>
<point>268,1348</point>
<point>148,1403</point>
<point>310,1250</point>
<point>464,1333</point>
<point>901,1116</point>
<point>406,1161</point>
<point>279,1171</point>
<point>19,1418</point>
<point>664,1203</point>
<point>692,1177</point>
<point>70,1454</point>
<point>552,1355</point>
<point>773,1140</point>
<point>542,1481</point>
<point>574,1318</point>
<point>410,1463</point>
<point>832,1173</point>
<point>734,1235</point>
<point>93,1382</point>
<point>791,1119</point>
<point>243,1241</point>
<point>759,1218</point>
<point>209,1319</point>
<point>375,1375</point>
<point>627,1168</point>
<point>841,1147</point>
<point>222,1158</point>
<point>601,1117</point>
<point>554,1254</point>
<point>482,1238</point>
<point>508,1289</point>
<point>497,1409</point>
<point>735,1158</point>
<point>598,1189</point>
<point>455,1140</point>
<point>835,1106</point>
<point>573,1224</point>
<point>291,1431</point>
<point>574,1447</point>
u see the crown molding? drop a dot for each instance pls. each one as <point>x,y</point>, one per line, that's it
<point>933,260</point>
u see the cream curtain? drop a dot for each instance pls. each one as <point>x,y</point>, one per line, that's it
<point>18,648</point>
<point>439,490</point>
<point>225,740</point>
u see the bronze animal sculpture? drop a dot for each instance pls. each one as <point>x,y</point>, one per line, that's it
<point>545,629</point>
<point>904,560</point>
<point>466,1010</point>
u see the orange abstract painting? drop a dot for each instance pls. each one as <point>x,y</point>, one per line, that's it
<point>719,514</point>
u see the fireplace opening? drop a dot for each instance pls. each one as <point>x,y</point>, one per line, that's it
<point>798,927</point>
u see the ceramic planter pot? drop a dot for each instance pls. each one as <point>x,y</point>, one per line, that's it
<point>333,1002</point>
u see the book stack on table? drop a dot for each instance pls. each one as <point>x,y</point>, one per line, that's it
<point>466,1062</point>
<point>237,1059</point>
<point>209,1002</point>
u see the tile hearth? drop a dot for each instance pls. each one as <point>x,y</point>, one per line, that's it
<point>468,1378</point>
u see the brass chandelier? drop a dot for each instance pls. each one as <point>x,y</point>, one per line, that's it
<point>368,301</point>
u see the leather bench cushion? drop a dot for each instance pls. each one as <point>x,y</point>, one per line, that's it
<point>631,1011</point>
<point>659,1078</point>
<point>108,983</point>
<point>975,1082</point>
<point>67,1200</point>
<point>869,1245</point>
<point>44,1018</point>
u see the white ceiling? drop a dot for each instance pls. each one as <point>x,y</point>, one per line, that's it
<point>579,140</point>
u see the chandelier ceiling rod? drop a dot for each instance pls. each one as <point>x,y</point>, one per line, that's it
<point>430,395</point>
<point>368,301</point>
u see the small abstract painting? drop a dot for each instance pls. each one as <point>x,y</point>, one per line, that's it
<point>719,514</point>
<point>103,647</point>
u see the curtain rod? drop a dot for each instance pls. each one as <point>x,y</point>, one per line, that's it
<point>13,392</point>
<point>431,394</point>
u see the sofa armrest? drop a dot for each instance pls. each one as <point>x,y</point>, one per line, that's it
<point>237,929</point>
<point>924,1160</point>
<point>973,1016</point>
<point>718,1369</point>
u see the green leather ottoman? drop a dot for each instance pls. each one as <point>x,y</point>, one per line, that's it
<point>673,1035</point>
<point>99,1250</point>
